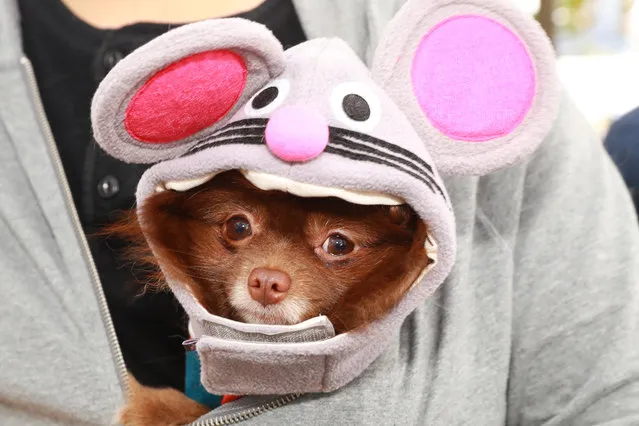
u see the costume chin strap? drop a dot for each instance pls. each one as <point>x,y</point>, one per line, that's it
<point>312,330</point>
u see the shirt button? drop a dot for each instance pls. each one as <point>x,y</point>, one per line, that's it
<point>108,186</point>
<point>111,58</point>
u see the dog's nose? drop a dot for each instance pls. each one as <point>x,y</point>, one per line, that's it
<point>268,286</point>
<point>296,133</point>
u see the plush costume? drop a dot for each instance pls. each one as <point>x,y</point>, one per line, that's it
<point>459,87</point>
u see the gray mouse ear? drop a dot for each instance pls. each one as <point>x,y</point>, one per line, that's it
<point>476,78</point>
<point>182,86</point>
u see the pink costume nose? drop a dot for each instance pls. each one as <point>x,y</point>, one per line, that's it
<point>296,133</point>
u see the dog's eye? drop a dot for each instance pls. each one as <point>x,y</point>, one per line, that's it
<point>238,228</point>
<point>338,245</point>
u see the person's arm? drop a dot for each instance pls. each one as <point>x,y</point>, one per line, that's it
<point>576,333</point>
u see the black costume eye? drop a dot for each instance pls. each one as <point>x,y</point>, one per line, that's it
<point>268,99</point>
<point>265,97</point>
<point>356,107</point>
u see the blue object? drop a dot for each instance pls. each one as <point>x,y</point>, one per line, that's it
<point>193,386</point>
<point>622,143</point>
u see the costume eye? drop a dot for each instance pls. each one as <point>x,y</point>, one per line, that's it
<point>356,105</point>
<point>269,98</point>
<point>238,228</point>
<point>338,245</point>
<point>265,97</point>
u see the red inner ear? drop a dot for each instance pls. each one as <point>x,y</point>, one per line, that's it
<point>186,97</point>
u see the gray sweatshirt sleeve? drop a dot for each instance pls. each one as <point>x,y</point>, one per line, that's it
<point>575,355</point>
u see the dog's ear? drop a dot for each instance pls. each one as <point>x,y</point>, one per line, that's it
<point>181,87</point>
<point>476,78</point>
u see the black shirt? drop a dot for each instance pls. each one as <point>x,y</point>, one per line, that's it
<point>70,58</point>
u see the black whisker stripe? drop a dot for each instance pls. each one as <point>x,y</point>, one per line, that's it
<point>251,132</point>
<point>337,131</point>
<point>246,122</point>
<point>213,142</point>
<point>244,128</point>
<point>258,140</point>
<point>365,157</point>
<point>232,133</point>
<point>356,146</point>
<point>367,149</point>
<point>253,140</point>
<point>242,131</point>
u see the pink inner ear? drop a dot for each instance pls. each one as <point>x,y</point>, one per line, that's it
<point>473,78</point>
<point>186,97</point>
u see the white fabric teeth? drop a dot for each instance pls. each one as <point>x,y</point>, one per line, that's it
<point>184,185</point>
<point>267,182</point>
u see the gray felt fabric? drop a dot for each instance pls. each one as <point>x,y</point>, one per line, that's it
<point>310,71</point>
<point>537,324</point>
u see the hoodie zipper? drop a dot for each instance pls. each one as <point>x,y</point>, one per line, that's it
<point>248,413</point>
<point>84,247</point>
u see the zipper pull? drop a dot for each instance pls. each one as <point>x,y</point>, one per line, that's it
<point>189,344</point>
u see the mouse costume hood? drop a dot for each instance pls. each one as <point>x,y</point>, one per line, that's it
<point>456,86</point>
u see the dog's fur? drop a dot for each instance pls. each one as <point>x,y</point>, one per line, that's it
<point>189,233</point>
<point>146,406</point>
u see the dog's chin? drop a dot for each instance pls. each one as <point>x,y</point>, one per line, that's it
<point>256,317</point>
<point>289,311</point>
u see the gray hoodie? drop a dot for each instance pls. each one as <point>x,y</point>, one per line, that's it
<point>536,324</point>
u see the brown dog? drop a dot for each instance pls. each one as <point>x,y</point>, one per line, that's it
<point>270,257</point>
